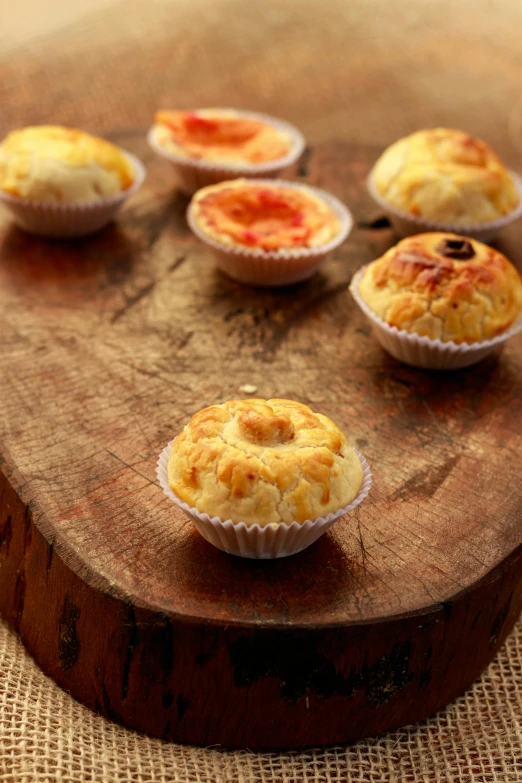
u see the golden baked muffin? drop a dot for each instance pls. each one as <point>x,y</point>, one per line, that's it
<point>54,164</point>
<point>265,216</point>
<point>446,176</point>
<point>445,287</point>
<point>263,461</point>
<point>220,135</point>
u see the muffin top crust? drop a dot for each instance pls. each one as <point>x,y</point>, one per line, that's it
<point>220,135</point>
<point>445,287</point>
<point>55,164</point>
<point>263,461</point>
<point>447,176</point>
<point>268,216</point>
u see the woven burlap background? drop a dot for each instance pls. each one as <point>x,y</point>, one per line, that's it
<point>363,70</point>
<point>46,736</point>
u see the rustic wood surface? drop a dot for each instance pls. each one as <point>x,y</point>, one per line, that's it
<point>108,346</point>
<point>367,71</point>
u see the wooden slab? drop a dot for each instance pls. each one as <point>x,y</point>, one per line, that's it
<point>108,346</point>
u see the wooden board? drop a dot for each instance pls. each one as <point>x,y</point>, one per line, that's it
<point>108,346</point>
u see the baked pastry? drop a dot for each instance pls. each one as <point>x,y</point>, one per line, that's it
<point>264,462</point>
<point>53,164</point>
<point>262,215</point>
<point>444,287</point>
<point>220,135</point>
<point>446,176</point>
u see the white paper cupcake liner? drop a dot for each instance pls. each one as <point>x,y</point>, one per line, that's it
<point>254,541</point>
<point>257,267</point>
<point>195,174</point>
<point>406,225</point>
<point>423,351</point>
<point>66,221</point>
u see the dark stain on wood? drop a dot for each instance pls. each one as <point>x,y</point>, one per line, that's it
<point>296,663</point>
<point>167,700</point>
<point>304,162</point>
<point>50,553</point>
<point>69,647</point>
<point>108,709</point>
<point>498,623</point>
<point>6,533</point>
<point>182,705</point>
<point>161,647</point>
<point>129,654</point>
<point>377,224</point>
<point>27,527</point>
<point>202,658</point>
<point>133,300</point>
<point>425,483</point>
<point>19,599</point>
<point>425,679</point>
<point>382,681</point>
<point>475,621</point>
<point>176,263</point>
<point>301,669</point>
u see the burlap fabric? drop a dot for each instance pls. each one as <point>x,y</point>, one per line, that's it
<point>46,736</point>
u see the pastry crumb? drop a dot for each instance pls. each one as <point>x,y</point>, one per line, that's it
<point>248,388</point>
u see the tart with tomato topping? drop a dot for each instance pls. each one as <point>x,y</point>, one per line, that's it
<point>267,216</point>
<point>218,135</point>
<point>207,146</point>
<point>268,232</point>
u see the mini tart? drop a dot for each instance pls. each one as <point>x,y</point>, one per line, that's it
<point>56,165</point>
<point>444,287</point>
<point>267,216</point>
<point>445,176</point>
<point>220,135</point>
<point>263,462</point>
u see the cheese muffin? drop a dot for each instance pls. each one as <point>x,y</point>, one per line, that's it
<point>58,165</point>
<point>220,135</point>
<point>446,176</point>
<point>263,462</point>
<point>444,287</point>
<point>268,216</point>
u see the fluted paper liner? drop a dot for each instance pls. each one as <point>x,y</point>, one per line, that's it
<point>425,352</point>
<point>66,221</point>
<point>407,225</point>
<point>193,173</point>
<point>254,541</point>
<point>258,267</point>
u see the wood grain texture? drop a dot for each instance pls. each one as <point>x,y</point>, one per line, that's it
<point>108,347</point>
<point>364,70</point>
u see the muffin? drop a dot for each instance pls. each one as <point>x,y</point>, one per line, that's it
<point>262,479</point>
<point>62,182</point>
<point>207,146</point>
<point>268,232</point>
<point>53,164</point>
<point>442,289</point>
<point>263,462</point>
<point>445,177</point>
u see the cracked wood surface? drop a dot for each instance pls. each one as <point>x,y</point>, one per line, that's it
<point>108,346</point>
